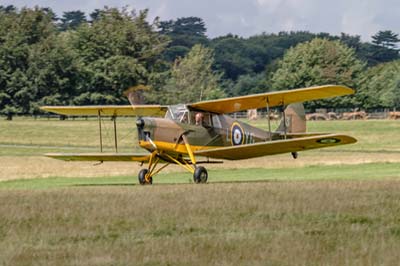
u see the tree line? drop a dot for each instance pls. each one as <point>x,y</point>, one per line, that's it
<point>80,60</point>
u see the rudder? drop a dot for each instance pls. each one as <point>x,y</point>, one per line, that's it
<point>295,117</point>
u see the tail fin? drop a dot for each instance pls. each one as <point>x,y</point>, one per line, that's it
<point>295,119</point>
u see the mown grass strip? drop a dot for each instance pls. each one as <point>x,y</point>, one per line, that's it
<point>318,172</point>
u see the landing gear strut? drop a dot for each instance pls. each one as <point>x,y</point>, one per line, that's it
<point>200,174</point>
<point>145,176</point>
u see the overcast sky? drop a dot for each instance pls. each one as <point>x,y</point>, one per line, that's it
<point>250,17</point>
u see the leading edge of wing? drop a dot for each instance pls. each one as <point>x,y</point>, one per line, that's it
<point>99,156</point>
<point>276,98</point>
<point>108,110</point>
<point>276,147</point>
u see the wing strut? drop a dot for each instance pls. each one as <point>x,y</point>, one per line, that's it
<point>269,122</point>
<point>189,150</point>
<point>115,133</point>
<point>101,137</point>
<point>284,120</point>
<point>114,118</point>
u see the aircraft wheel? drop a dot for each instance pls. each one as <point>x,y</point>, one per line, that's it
<point>142,177</point>
<point>200,175</point>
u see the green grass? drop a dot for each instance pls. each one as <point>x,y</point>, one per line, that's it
<point>378,171</point>
<point>372,135</point>
<point>265,223</point>
<point>24,136</point>
<point>343,213</point>
<point>28,137</point>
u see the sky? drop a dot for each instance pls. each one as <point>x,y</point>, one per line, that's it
<point>250,17</point>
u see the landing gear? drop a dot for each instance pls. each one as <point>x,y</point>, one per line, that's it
<point>144,177</point>
<point>200,175</point>
<point>295,155</point>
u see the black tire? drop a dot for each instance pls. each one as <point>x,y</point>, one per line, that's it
<point>142,177</point>
<point>200,175</point>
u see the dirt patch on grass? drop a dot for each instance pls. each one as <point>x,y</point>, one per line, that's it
<point>37,167</point>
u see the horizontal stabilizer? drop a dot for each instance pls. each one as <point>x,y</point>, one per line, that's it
<point>108,110</point>
<point>276,98</point>
<point>100,156</point>
<point>276,147</point>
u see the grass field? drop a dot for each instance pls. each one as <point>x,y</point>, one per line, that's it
<point>264,223</point>
<point>338,206</point>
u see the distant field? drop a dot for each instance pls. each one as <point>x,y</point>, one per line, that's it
<point>23,141</point>
<point>27,137</point>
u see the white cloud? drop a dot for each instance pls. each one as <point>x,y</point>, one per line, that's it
<point>270,4</point>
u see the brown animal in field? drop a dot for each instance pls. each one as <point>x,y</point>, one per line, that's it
<point>274,116</point>
<point>333,116</point>
<point>354,115</point>
<point>394,115</point>
<point>252,114</point>
<point>316,116</point>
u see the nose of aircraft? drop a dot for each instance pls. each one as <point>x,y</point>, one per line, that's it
<point>140,123</point>
<point>145,127</point>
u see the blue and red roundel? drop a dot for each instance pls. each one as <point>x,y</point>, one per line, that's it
<point>237,134</point>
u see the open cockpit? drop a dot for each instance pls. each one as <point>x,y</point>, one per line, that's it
<point>181,114</point>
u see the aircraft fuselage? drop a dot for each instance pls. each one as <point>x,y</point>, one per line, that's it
<point>213,131</point>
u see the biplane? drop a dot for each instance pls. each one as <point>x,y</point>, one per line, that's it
<point>190,135</point>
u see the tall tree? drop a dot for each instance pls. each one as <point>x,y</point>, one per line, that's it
<point>184,34</point>
<point>72,20</point>
<point>318,62</point>
<point>20,32</point>
<point>235,56</point>
<point>386,38</point>
<point>250,84</point>
<point>192,78</point>
<point>8,9</point>
<point>231,56</point>
<point>379,86</point>
<point>118,50</point>
<point>54,72</point>
<point>186,26</point>
<point>351,41</point>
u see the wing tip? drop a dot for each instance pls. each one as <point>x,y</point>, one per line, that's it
<point>343,89</point>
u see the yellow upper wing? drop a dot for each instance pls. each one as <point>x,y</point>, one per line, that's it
<point>108,110</point>
<point>278,98</point>
<point>276,147</point>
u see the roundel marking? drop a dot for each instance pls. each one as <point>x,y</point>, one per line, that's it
<point>237,135</point>
<point>328,141</point>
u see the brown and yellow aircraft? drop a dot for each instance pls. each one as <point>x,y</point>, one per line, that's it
<point>179,134</point>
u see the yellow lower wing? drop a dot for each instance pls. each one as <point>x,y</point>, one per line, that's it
<point>100,156</point>
<point>276,147</point>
